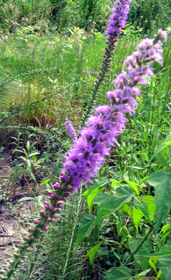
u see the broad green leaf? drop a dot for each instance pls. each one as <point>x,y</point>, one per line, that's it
<point>164,265</point>
<point>136,217</point>
<point>162,183</point>
<point>140,255</point>
<point>149,201</point>
<point>114,201</point>
<point>86,224</point>
<point>162,160</point>
<point>121,273</point>
<point>164,145</point>
<point>92,252</point>
<point>142,206</point>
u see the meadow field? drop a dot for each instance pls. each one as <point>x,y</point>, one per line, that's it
<point>85,193</point>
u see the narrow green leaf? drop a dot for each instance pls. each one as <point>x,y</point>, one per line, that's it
<point>25,199</point>
<point>33,154</point>
<point>45,182</point>
<point>121,273</point>
<point>162,183</point>
<point>92,252</point>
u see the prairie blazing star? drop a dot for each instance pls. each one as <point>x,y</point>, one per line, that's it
<point>116,23</point>
<point>96,139</point>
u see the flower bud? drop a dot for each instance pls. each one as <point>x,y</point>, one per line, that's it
<point>57,186</point>
<point>36,221</point>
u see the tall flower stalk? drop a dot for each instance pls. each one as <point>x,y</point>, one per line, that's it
<point>117,22</point>
<point>96,139</point>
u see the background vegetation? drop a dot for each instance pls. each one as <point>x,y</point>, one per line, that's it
<point>46,48</point>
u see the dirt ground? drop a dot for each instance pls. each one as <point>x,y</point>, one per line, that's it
<point>11,231</point>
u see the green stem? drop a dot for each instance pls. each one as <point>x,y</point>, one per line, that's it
<point>72,235</point>
<point>145,238</point>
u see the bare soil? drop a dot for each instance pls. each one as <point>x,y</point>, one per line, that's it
<point>12,226</point>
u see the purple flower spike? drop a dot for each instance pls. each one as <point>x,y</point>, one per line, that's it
<point>51,208</point>
<point>70,129</point>
<point>99,135</point>
<point>118,19</point>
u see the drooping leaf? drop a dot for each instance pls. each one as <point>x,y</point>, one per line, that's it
<point>91,197</point>
<point>121,273</point>
<point>92,252</point>
<point>142,206</point>
<point>153,262</point>
<point>162,183</point>
<point>86,224</point>
<point>136,217</point>
<point>149,201</point>
<point>134,186</point>
<point>164,265</point>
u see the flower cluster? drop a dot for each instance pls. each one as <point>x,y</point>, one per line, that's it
<point>118,19</point>
<point>88,153</point>
<point>116,23</point>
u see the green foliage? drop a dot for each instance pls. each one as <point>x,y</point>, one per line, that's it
<point>162,183</point>
<point>122,273</point>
